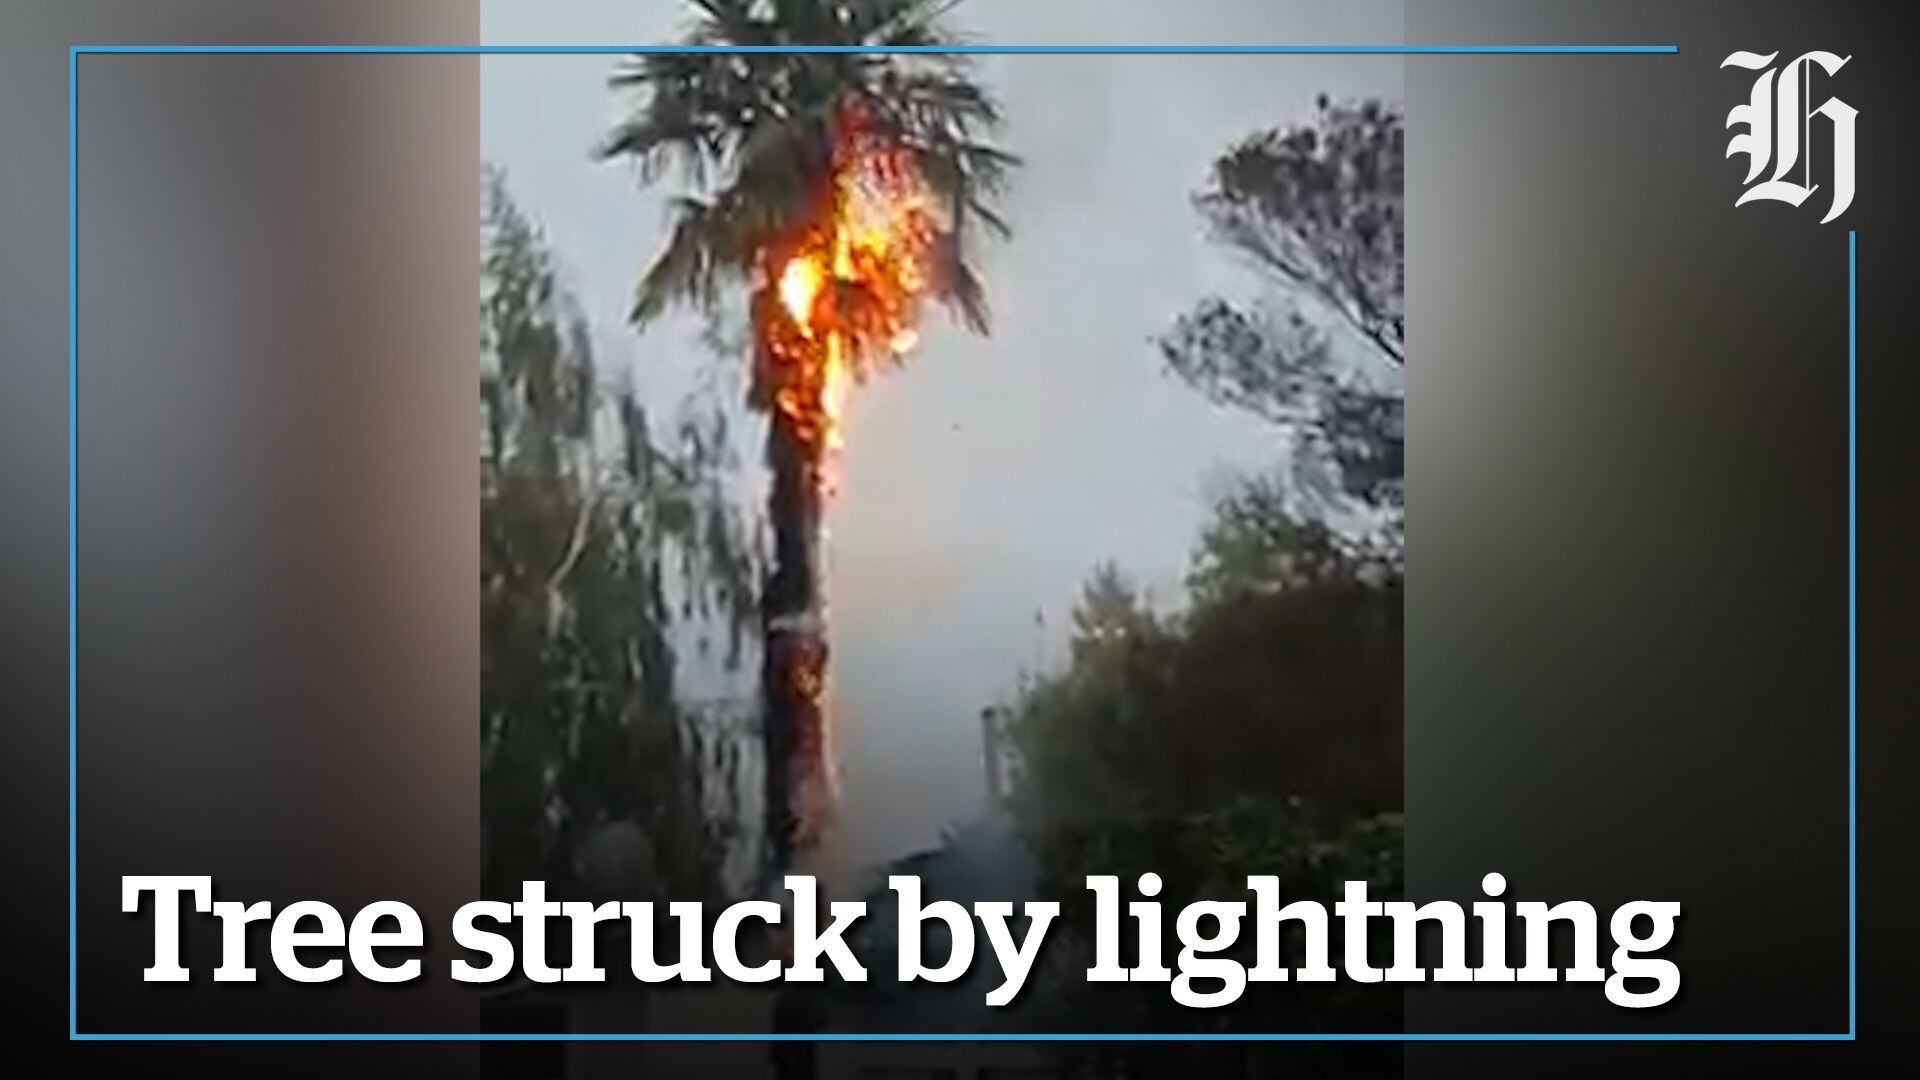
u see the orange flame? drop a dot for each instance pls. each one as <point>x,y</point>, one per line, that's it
<point>850,290</point>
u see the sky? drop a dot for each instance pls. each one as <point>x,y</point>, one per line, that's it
<point>983,482</point>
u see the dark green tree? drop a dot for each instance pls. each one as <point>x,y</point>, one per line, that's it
<point>603,558</point>
<point>1256,732</point>
<point>1318,211</point>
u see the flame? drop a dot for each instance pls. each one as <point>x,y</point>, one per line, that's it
<point>849,292</point>
<point>850,289</point>
<point>800,285</point>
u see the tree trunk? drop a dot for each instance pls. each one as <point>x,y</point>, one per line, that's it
<point>794,643</point>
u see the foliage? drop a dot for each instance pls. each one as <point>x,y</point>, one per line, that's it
<point>1257,732</point>
<point>1254,545</point>
<point>751,137</point>
<point>1318,210</point>
<point>1290,695</point>
<point>602,559</point>
<point>1208,855</point>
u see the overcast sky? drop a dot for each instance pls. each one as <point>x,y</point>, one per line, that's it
<point>985,480</point>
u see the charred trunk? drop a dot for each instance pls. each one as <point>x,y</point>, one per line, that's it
<point>794,649</point>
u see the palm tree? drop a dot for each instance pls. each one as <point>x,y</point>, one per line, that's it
<point>760,143</point>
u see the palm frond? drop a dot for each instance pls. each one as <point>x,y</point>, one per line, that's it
<point>750,136</point>
<point>703,248</point>
<point>959,287</point>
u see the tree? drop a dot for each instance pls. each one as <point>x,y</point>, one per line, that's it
<point>1256,732</point>
<point>1318,210</point>
<point>599,562</point>
<point>770,148</point>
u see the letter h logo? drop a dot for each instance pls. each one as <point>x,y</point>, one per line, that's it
<point>1778,120</point>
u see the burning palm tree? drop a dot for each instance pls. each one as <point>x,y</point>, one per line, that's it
<point>840,189</point>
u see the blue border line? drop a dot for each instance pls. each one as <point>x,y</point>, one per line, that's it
<point>1019,50</point>
<point>1853,982</point>
<point>73,172</point>
<point>73,510</point>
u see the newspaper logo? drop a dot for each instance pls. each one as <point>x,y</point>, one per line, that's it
<point>1778,123</point>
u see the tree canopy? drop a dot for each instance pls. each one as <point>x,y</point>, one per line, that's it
<point>1317,209</point>
<point>751,137</point>
<point>1257,731</point>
